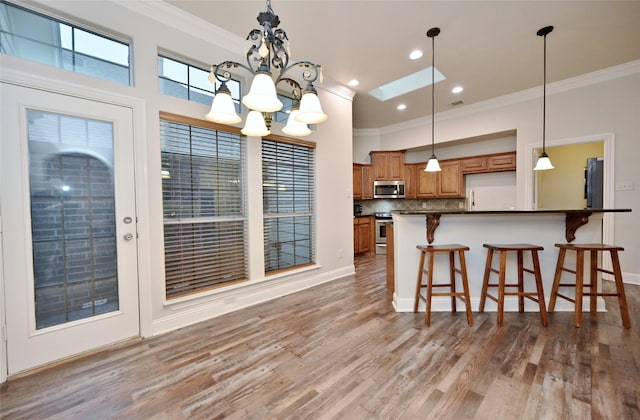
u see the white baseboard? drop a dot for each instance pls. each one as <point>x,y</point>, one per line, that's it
<point>250,295</point>
<point>631,278</point>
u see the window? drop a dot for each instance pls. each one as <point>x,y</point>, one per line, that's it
<point>192,83</point>
<point>36,37</point>
<point>203,199</point>
<point>288,180</point>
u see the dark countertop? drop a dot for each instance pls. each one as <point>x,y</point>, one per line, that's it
<point>574,217</point>
<point>454,211</point>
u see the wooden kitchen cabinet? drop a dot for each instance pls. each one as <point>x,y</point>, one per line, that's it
<point>447,183</point>
<point>367,182</point>
<point>502,162</point>
<point>363,234</point>
<point>410,180</point>
<point>362,182</point>
<point>496,162</point>
<point>451,182</point>
<point>387,166</point>
<point>357,181</point>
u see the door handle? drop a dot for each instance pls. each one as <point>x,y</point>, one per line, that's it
<point>128,236</point>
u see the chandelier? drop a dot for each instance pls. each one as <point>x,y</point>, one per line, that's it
<point>268,54</point>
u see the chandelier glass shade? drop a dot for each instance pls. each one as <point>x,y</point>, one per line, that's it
<point>544,163</point>
<point>223,110</point>
<point>268,60</point>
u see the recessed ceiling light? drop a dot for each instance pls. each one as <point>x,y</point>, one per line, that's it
<point>354,82</point>
<point>457,89</point>
<point>401,107</point>
<point>415,54</point>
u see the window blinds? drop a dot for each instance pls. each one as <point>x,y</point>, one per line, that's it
<point>205,229</point>
<point>288,175</point>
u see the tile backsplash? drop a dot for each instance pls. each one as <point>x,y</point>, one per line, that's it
<point>382,205</point>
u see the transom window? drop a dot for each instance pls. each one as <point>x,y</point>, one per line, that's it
<point>185,81</point>
<point>203,200</point>
<point>288,186</point>
<point>33,36</point>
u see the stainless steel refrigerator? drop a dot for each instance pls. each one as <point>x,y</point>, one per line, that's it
<point>594,180</point>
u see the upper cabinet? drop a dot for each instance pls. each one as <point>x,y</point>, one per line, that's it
<point>449,182</point>
<point>387,166</point>
<point>496,162</point>
<point>362,182</point>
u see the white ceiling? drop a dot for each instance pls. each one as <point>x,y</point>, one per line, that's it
<point>488,47</point>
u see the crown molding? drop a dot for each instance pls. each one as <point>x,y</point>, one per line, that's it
<point>584,80</point>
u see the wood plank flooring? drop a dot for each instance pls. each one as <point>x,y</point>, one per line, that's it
<point>339,351</point>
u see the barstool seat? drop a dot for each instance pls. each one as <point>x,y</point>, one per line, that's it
<point>536,296</point>
<point>451,250</point>
<point>579,285</point>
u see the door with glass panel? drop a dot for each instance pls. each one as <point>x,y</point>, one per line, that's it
<point>69,225</point>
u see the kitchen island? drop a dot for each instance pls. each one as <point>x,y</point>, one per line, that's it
<point>473,229</point>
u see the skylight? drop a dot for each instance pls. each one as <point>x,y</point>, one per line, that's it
<point>406,84</point>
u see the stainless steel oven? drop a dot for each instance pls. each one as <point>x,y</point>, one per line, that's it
<point>381,232</point>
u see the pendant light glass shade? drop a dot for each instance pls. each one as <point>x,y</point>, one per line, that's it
<point>255,125</point>
<point>543,163</point>
<point>223,110</point>
<point>295,127</point>
<point>310,108</point>
<point>433,165</point>
<point>262,95</point>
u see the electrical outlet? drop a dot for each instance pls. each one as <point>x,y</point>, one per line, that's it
<point>624,186</point>
<point>424,205</point>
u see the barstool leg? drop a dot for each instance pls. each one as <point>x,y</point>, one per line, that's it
<point>501,282</point>
<point>577,316</point>
<point>485,281</point>
<point>538,276</point>
<point>556,279</point>
<point>593,281</point>
<point>427,318</point>
<point>622,298</point>
<point>419,282</point>
<point>465,287</point>
<point>452,278</point>
<point>521,280</point>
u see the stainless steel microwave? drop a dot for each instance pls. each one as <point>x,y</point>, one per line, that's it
<point>388,189</point>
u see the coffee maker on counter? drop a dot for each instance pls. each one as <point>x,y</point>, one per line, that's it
<point>357,209</point>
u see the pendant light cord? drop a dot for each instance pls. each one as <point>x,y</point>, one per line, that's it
<point>433,94</point>
<point>544,96</point>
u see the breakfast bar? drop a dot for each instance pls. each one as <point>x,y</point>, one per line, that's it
<point>473,229</point>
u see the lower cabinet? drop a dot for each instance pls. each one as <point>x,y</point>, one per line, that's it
<point>363,235</point>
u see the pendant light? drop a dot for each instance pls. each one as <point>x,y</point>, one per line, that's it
<point>544,162</point>
<point>433,165</point>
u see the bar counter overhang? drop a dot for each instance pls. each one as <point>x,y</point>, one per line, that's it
<point>475,228</point>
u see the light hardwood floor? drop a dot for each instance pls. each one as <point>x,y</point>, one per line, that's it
<point>340,351</point>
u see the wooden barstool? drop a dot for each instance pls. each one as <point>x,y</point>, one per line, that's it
<point>579,285</point>
<point>450,249</point>
<point>536,296</point>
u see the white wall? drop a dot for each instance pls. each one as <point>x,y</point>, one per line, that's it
<point>602,102</point>
<point>155,25</point>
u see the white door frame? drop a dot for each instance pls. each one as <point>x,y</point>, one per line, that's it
<point>609,175</point>
<point>138,110</point>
